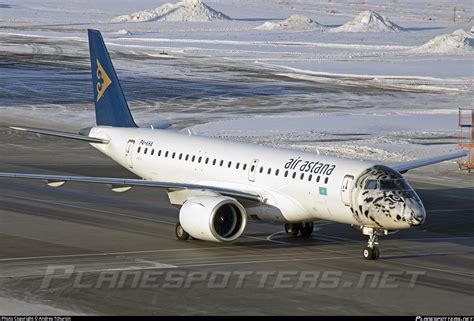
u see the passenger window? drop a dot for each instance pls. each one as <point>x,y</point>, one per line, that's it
<point>294,174</point>
<point>310,177</point>
<point>286,173</point>
<point>326,180</point>
<point>302,176</point>
<point>276,172</point>
<point>153,151</point>
<point>214,161</point>
<point>244,167</point>
<point>317,179</point>
<point>269,171</point>
<point>229,164</point>
<point>174,154</point>
<point>138,150</point>
<point>221,163</point>
<point>146,149</point>
<point>159,152</point>
<point>207,160</point>
<point>166,154</point>
<point>252,168</point>
<point>261,169</point>
<point>180,156</point>
<point>199,159</point>
<point>371,184</point>
<point>237,166</point>
<point>187,157</point>
<point>194,158</point>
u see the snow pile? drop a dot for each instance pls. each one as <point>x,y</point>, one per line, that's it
<point>460,41</point>
<point>123,32</point>
<point>145,15</point>
<point>186,10</point>
<point>194,10</point>
<point>296,21</point>
<point>368,21</point>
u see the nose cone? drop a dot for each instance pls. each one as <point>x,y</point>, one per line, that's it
<point>414,212</point>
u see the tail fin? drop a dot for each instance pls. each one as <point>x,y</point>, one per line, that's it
<point>111,108</point>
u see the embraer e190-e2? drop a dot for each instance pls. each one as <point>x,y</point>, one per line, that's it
<point>219,185</point>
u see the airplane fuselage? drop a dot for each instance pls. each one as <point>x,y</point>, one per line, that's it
<point>296,186</point>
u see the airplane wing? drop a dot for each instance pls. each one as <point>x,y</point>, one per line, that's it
<point>61,134</point>
<point>117,183</point>
<point>405,167</point>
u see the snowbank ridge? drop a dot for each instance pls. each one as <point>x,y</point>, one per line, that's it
<point>368,21</point>
<point>187,10</point>
<point>458,42</point>
<point>296,21</point>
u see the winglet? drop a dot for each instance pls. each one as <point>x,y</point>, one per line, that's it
<point>405,167</point>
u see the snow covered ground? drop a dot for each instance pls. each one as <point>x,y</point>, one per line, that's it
<point>318,75</point>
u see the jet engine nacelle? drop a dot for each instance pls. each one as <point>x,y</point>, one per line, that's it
<point>213,218</point>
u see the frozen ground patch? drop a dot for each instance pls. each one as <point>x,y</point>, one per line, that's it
<point>294,22</point>
<point>368,21</point>
<point>337,123</point>
<point>187,10</point>
<point>122,32</point>
<point>458,42</point>
<point>388,137</point>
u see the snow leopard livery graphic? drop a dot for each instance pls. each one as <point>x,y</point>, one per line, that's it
<point>381,197</point>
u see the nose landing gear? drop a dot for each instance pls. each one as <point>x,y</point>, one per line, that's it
<point>372,252</point>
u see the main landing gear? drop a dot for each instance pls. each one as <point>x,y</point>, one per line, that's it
<point>372,252</point>
<point>181,234</point>
<point>306,229</point>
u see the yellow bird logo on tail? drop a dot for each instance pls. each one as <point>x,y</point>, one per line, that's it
<point>103,80</point>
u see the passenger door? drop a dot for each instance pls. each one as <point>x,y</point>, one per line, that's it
<point>346,189</point>
<point>253,169</point>
<point>129,153</point>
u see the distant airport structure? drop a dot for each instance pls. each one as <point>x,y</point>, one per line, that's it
<point>466,137</point>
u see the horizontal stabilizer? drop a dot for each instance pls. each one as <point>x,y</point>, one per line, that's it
<point>62,134</point>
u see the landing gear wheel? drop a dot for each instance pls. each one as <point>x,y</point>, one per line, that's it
<point>371,253</point>
<point>181,234</point>
<point>368,253</point>
<point>376,253</point>
<point>292,229</point>
<point>307,229</point>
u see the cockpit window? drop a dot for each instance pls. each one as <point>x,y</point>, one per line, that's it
<point>394,185</point>
<point>372,184</point>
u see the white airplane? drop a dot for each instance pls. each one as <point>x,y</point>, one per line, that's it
<point>219,185</point>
